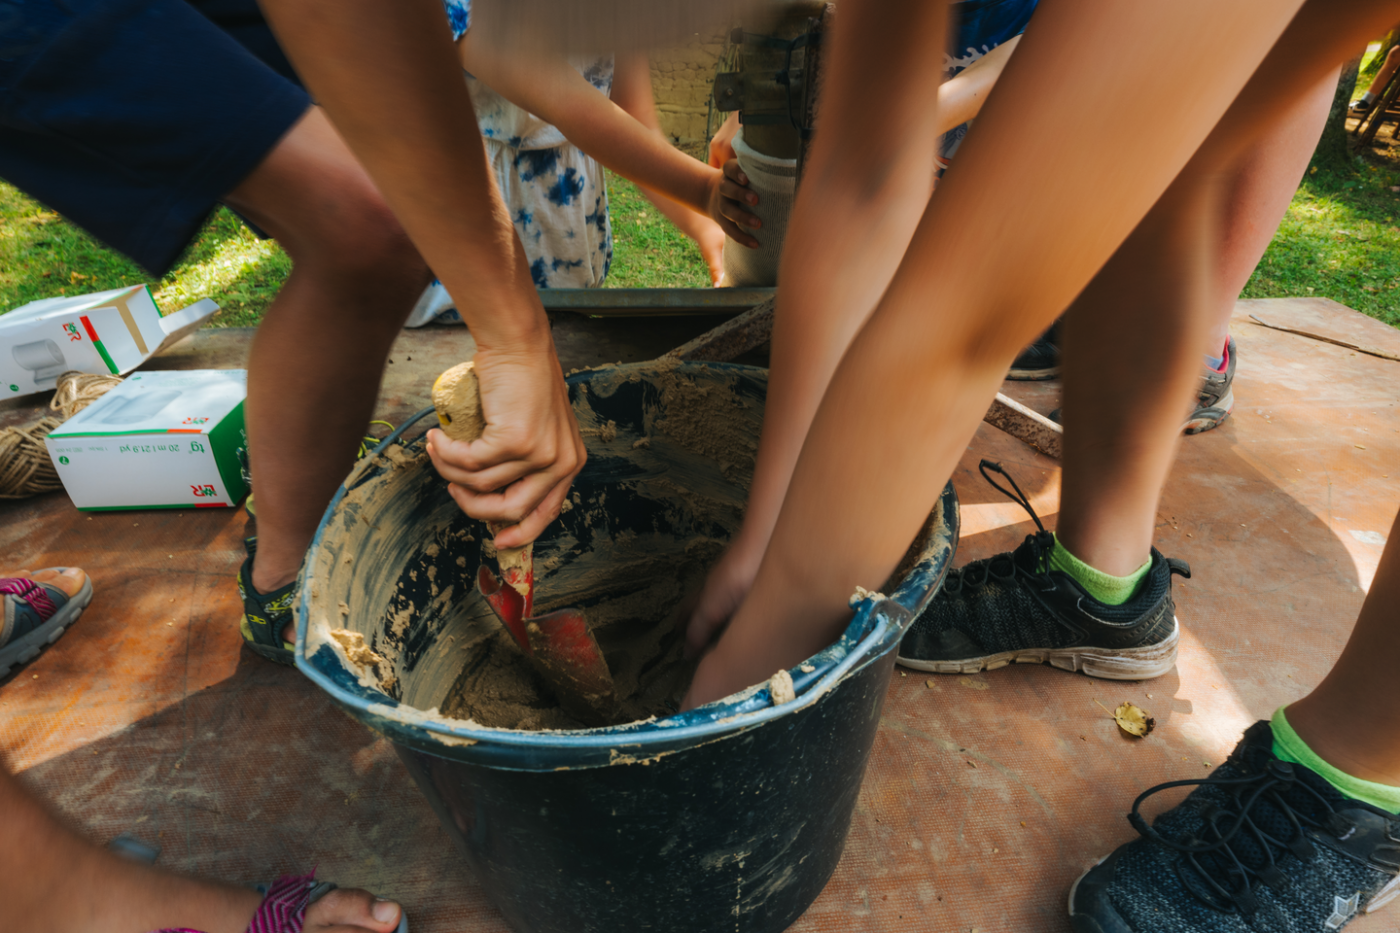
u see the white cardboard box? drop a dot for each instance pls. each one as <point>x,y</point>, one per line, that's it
<point>104,332</point>
<point>160,440</point>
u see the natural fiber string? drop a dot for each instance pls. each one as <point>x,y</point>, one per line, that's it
<point>25,467</point>
<point>77,391</point>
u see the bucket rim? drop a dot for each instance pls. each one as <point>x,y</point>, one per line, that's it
<point>878,624</point>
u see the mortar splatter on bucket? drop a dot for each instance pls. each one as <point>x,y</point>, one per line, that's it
<point>728,817</point>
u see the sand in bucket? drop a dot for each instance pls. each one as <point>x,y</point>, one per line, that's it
<point>629,555</point>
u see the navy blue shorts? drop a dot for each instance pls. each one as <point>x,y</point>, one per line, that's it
<point>133,118</point>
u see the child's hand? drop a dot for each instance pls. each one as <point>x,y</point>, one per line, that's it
<point>710,238</point>
<point>726,585</point>
<point>520,469</point>
<point>729,198</point>
<point>722,146</point>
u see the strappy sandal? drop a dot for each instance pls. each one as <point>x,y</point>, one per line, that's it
<point>283,909</point>
<point>265,614</point>
<point>35,615</point>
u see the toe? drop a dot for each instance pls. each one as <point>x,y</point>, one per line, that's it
<point>344,910</point>
<point>69,579</point>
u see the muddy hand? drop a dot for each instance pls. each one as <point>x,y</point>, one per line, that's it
<point>517,472</point>
<point>725,587</point>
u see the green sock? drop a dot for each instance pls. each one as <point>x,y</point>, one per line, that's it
<point>1289,747</point>
<point>1106,588</point>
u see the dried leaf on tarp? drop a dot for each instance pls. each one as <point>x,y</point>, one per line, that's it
<point>1133,720</point>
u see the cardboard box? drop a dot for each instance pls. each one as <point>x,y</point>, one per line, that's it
<point>105,332</point>
<point>161,440</point>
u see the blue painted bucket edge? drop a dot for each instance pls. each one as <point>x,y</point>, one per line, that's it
<point>879,623</point>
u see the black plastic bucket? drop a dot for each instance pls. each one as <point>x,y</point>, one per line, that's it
<point>732,816</point>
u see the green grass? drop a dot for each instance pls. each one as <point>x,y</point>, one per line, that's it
<point>41,255</point>
<point>648,250</point>
<point>1339,240</point>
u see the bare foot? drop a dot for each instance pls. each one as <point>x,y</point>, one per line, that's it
<point>348,910</point>
<point>70,580</point>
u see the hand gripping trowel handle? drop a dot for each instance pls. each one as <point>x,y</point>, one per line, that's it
<point>510,586</point>
<point>560,646</point>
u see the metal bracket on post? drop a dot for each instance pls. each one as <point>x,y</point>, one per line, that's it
<point>729,91</point>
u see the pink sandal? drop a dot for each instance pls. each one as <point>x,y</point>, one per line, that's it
<point>283,909</point>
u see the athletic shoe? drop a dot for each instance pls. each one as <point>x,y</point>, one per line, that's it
<point>1040,360</point>
<point>1013,607</point>
<point>1260,846</point>
<point>1360,107</point>
<point>1216,399</point>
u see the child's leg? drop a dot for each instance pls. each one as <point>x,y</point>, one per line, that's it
<point>317,356</point>
<point>1131,344</point>
<point>867,180</point>
<point>1132,364</point>
<point>55,881</point>
<point>1382,78</point>
<point>1012,237</point>
<point>1258,195</point>
<point>1327,719</point>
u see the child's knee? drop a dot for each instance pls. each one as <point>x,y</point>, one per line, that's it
<point>367,242</point>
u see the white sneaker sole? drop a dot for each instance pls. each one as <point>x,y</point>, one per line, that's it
<point>1108,664</point>
<point>1075,887</point>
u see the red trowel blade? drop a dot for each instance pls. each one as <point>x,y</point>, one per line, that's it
<point>560,647</point>
<point>507,603</point>
<point>561,643</point>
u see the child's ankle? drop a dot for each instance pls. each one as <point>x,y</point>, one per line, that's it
<point>1104,587</point>
<point>1289,746</point>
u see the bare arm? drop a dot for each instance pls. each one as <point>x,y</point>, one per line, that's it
<point>551,88</point>
<point>960,98</point>
<point>387,75</point>
<point>631,91</point>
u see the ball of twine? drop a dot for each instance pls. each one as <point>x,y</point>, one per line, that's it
<point>25,467</point>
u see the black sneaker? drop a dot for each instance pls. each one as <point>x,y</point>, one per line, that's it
<point>1216,399</point>
<point>265,614</point>
<point>1012,607</point>
<point>1040,360</point>
<point>1261,846</point>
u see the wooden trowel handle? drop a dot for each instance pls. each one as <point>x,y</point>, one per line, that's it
<point>457,398</point>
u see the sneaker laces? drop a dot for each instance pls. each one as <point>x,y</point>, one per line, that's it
<point>1002,567</point>
<point>1219,856</point>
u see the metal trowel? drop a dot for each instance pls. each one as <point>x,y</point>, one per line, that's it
<point>559,645</point>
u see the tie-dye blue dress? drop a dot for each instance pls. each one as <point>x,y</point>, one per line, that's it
<point>556,195</point>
